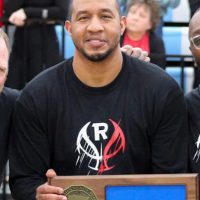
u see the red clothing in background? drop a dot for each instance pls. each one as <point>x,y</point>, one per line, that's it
<point>143,43</point>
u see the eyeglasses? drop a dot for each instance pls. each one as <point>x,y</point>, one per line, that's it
<point>196,41</point>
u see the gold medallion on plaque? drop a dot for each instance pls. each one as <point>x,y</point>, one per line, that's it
<point>79,192</point>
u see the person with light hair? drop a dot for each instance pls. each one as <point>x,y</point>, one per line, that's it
<point>7,100</point>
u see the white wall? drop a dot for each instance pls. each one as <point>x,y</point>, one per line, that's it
<point>182,12</point>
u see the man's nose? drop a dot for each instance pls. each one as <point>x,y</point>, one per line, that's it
<point>95,25</point>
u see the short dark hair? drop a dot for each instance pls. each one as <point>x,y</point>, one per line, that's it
<point>152,5</point>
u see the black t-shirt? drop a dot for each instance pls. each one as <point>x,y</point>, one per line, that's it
<point>193,105</point>
<point>135,125</point>
<point>7,100</point>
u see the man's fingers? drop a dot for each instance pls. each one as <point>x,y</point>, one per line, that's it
<point>136,52</point>
<point>51,173</point>
<point>143,55</point>
<point>50,196</point>
<point>45,192</point>
<point>127,49</point>
<point>48,189</point>
<point>147,59</point>
<point>16,21</point>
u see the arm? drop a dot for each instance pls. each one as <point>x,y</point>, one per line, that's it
<point>6,109</point>
<point>29,150</point>
<point>11,6</point>
<point>58,11</point>
<point>18,14</point>
<point>170,137</point>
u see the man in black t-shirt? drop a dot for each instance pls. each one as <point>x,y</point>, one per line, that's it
<point>193,98</point>
<point>100,112</point>
<point>7,98</point>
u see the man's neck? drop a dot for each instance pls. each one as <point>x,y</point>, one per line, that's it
<point>97,74</point>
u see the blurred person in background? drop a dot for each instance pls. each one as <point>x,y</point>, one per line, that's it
<point>35,44</point>
<point>193,98</point>
<point>141,20</point>
<point>7,99</point>
<point>194,5</point>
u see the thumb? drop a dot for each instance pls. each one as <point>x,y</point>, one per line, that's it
<point>50,174</point>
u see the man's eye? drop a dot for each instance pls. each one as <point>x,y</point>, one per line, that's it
<point>83,18</point>
<point>197,41</point>
<point>106,17</point>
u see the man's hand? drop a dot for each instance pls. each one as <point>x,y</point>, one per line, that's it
<point>48,192</point>
<point>136,52</point>
<point>18,17</point>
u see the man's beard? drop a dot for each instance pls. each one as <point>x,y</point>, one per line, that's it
<point>97,57</point>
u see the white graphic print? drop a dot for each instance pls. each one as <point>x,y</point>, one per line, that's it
<point>85,147</point>
<point>96,149</point>
<point>197,154</point>
<point>98,131</point>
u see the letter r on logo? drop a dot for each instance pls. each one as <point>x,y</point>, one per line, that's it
<point>100,129</point>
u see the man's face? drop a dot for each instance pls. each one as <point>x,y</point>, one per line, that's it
<point>4,56</point>
<point>95,28</point>
<point>194,31</point>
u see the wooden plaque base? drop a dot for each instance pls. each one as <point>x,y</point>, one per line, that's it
<point>98,183</point>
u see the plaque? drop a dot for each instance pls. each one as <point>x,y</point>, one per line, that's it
<point>79,192</point>
<point>129,187</point>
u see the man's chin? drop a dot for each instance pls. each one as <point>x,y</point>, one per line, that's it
<point>97,57</point>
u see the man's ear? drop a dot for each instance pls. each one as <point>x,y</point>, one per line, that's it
<point>68,27</point>
<point>123,24</point>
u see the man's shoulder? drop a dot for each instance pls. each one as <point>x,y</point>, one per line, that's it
<point>10,94</point>
<point>48,77</point>
<point>150,76</point>
<point>193,94</point>
<point>193,99</point>
<point>145,69</point>
<point>46,84</point>
<point>51,71</point>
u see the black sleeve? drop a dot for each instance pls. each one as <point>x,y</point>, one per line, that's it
<point>6,109</point>
<point>11,6</point>
<point>157,50</point>
<point>170,138</point>
<point>58,12</point>
<point>27,165</point>
<point>3,152</point>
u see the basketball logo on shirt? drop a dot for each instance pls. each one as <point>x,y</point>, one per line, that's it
<point>197,153</point>
<point>97,146</point>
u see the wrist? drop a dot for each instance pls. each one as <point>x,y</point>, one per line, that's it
<point>44,13</point>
